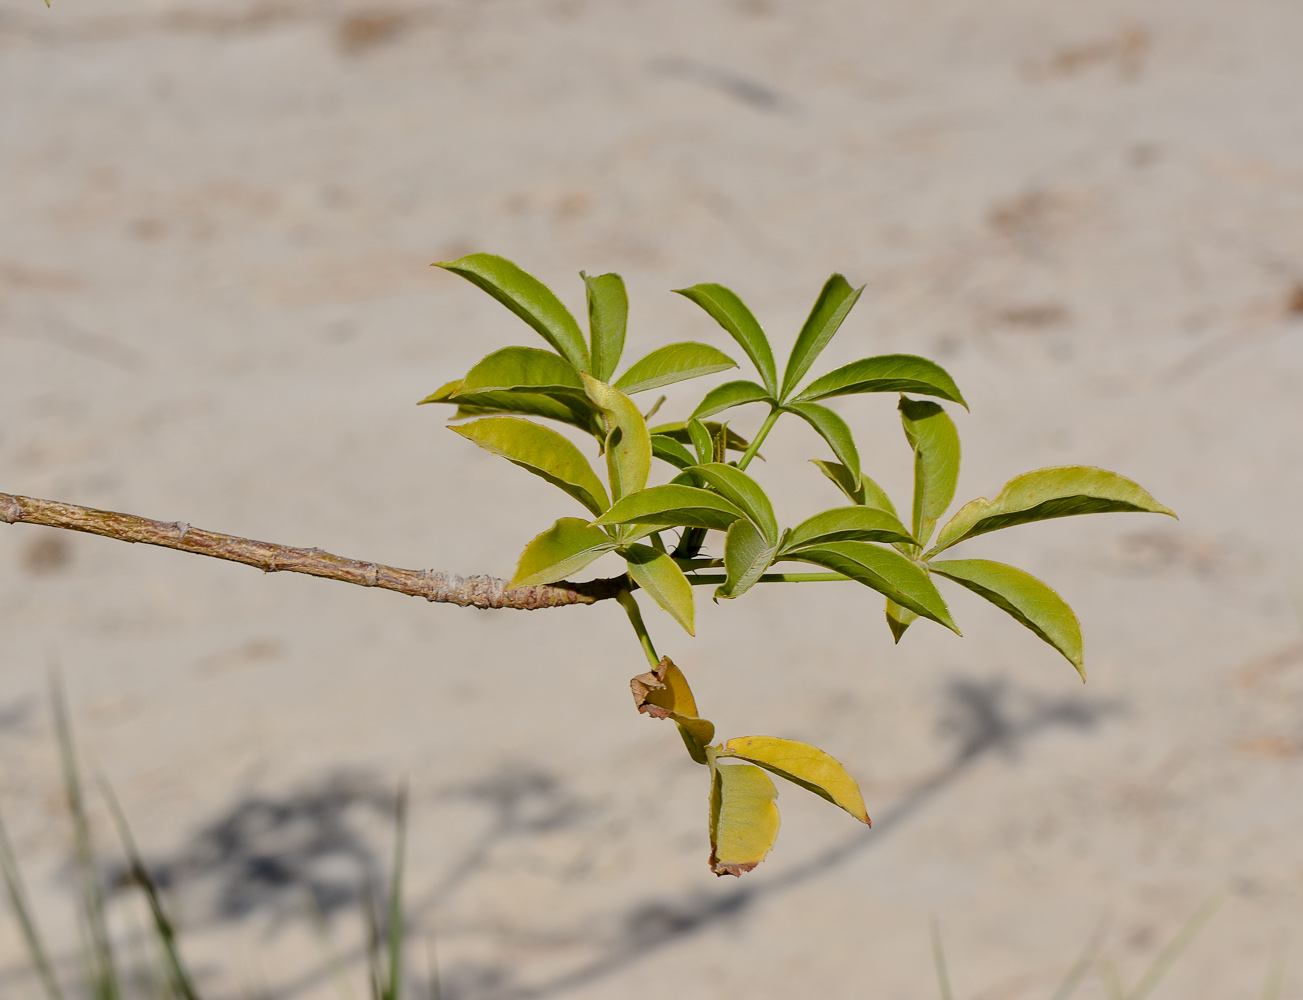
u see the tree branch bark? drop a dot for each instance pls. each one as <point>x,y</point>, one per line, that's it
<point>441,588</point>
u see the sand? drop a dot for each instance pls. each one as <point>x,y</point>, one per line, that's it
<point>216,221</point>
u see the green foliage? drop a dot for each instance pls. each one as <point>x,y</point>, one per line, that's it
<point>709,491</point>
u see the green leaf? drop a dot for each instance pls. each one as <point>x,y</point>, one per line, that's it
<point>528,298</point>
<point>745,492</point>
<point>886,373</point>
<point>866,492</point>
<point>899,619</point>
<point>743,817</point>
<point>1025,598</point>
<point>443,394</point>
<point>830,308</point>
<point>608,314</point>
<point>703,438</point>
<point>1046,493</point>
<point>805,765</point>
<point>726,309</point>
<point>747,554</point>
<point>566,547</point>
<point>663,693</point>
<point>672,504</point>
<point>884,570</point>
<point>667,449</point>
<point>842,524</point>
<point>522,368</point>
<point>932,435</point>
<point>701,434</point>
<point>628,445</point>
<point>565,408</point>
<point>730,394</point>
<point>658,574</point>
<point>832,429</point>
<point>543,452</point>
<point>673,363</point>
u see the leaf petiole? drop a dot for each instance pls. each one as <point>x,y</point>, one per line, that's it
<point>701,581</point>
<point>761,434</point>
<point>625,597</point>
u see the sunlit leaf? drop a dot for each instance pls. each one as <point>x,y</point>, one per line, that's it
<point>834,302</point>
<point>730,394</point>
<point>743,818</point>
<point>566,547</point>
<point>1025,598</point>
<point>805,765</point>
<point>444,393</point>
<point>628,445</point>
<point>608,314</point>
<point>832,429</point>
<point>886,373</point>
<point>673,504</point>
<point>899,619</point>
<point>886,571</point>
<point>667,449</point>
<point>747,554</point>
<point>726,309</point>
<point>700,434</point>
<point>543,452</point>
<point>663,693</point>
<point>526,368</point>
<point>574,410</point>
<point>745,492</point>
<point>1044,494</point>
<point>528,298</point>
<point>658,574</point>
<point>932,435</point>
<point>865,492</point>
<point>841,524</point>
<point>673,363</point>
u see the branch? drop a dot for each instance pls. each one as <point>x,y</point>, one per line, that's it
<point>441,588</point>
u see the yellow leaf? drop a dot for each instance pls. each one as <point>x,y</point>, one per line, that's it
<point>805,765</point>
<point>743,818</point>
<point>663,693</point>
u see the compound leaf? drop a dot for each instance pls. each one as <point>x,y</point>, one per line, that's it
<point>885,373</point>
<point>522,368</point>
<point>730,394</point>
<point>806,765</point>
<point>673,504</point>
<point>658,574</point>
<point>747,554</point>
<point>726,309</point>
<point>673,363</point>
<point>932,435</point>
<point>886,571</point>
<point>830,308</point>
<point>663,693</point>
<point>566,547</point>
<point>543,452</point>
<point>743,491</point>
<point>608,315</point>
<point>1046,493</point>
<point>832,429</point>
<point>842,524</point>
<point>628,445</point>
<point>528,298</point>
<point>1025,598</point>
<point>743,818</point>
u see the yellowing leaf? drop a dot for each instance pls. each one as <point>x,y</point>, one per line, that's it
<point>658,574</point>
<point>803,764</point>
<point>663,693</point>
<point>743,818</point>
<point>628,445</point>
<point>566,547</point>
<point>543,452</point>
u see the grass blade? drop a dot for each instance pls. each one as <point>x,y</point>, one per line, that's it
<point>26,920</point>
<point>162,925</point>
<point>393,986</point>
<point>104,980</point>
<point>939,960</point>
<point>1082,966</point>
<point>333,960</point>
<point>1175,948</point>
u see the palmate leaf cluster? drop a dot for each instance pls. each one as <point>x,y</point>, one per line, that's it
<point>663,530</point>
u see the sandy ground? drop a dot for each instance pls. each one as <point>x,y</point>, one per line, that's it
<point>215,305</point>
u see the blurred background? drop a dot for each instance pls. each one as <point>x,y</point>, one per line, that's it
<point>216,221</point>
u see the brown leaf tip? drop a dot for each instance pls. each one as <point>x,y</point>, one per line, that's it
<point>734,870</point>
<point>644,684</point>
